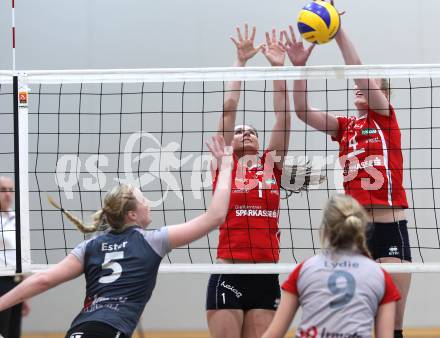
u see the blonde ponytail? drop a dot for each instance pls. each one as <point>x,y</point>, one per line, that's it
<point>117,203</point>
<point>84,228</point>
<point>344,225</point>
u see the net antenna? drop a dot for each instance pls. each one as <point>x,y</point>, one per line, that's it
<point>13,33</point>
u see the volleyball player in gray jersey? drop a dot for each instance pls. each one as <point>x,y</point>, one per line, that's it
<point>342,292</point>
<point>121,265</point>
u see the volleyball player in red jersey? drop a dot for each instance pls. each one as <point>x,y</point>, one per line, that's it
<point>370,149</point>
<point>244,305</point>
<point>342,292</point>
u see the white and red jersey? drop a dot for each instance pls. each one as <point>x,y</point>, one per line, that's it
<point>250,231</point>
<point>370,152</point>
<point>339,293</point>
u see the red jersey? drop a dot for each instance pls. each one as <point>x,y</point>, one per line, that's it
<point>370,152</point>
<point>250,231</point>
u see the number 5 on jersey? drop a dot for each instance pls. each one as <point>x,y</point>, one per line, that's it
<point>109,263</point>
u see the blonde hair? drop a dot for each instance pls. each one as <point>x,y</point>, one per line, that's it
<point>117,203</point>
<point>344,224</point>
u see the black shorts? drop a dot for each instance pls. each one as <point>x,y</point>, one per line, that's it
<point>10,319</point>
<point>244,292</point>
<point>389,240</point>
<point>94,330</point>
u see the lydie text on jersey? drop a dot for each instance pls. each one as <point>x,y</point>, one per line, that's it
<point>341,264</point>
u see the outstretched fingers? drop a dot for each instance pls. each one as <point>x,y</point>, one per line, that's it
<point>292,34</point>
<point>220,141</point>
<point>260,47</point>
<point>333,4</point>
<point>240,37</point>
<point>282,46</point>
<point>217,147</point>
<point>213,147</point>
<point>235,42</point>
<point>281,39</point>
<point>267,39</point>
<point>272,38</point>
<point>274,35</point>
<point>254,30</point>
<point>288,41</point>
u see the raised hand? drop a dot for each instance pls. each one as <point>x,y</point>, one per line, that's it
<point>295,50</point>
<point>274,50</point>
<point>245,46</point>
<point>333,4</point>
<point>218,148</point>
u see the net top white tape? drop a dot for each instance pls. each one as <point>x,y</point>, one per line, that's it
<point>6,76</point>
<point>225,74</point>
<point>268,268</point>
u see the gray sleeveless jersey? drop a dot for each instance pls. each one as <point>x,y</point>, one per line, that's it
<point>339,294</point>
<point>120,271</point>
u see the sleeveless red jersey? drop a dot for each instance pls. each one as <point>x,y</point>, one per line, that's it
<point>250,231</point>
<point>370,152</point>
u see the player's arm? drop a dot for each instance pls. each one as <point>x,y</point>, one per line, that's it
<point>69,268</point>
<point>376,99</point>
<point>215,215</point>
<point>283,316</point>
<point>227,120</point>
<point>280,136</point>
<point>384,326</point>
<point>245,51</point>
<point>318,119</point>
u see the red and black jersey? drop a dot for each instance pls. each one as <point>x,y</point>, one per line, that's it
<point>370,152</point>
<point>250,231</point>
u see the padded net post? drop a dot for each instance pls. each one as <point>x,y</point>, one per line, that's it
<point>21,134</point>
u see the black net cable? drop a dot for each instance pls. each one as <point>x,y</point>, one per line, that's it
<point>99,151</point>
<point>162,104</point>
<point>307,192</point>
<point>410,164</point>
<point>431,92</point>
<point>39,191</point>
<point>185,219</point>
<point>80,100</point>
<point>202,147</point>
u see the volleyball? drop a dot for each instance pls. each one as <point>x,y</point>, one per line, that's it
<point>318,22</point>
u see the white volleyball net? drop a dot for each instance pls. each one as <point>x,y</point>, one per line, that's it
<point>90,130</point>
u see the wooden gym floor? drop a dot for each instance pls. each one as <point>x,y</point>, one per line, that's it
<point>409,333</point>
